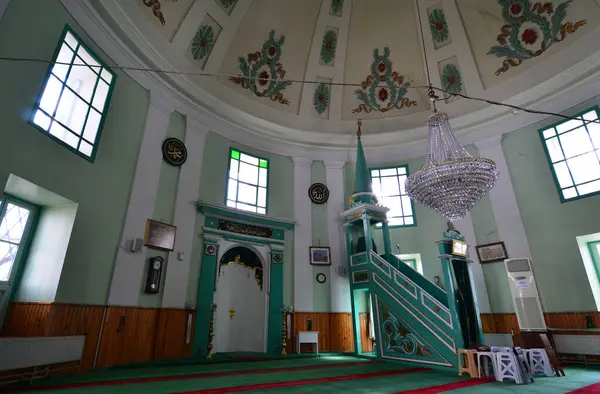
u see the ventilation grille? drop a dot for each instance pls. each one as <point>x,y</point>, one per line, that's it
<point>529,314</point>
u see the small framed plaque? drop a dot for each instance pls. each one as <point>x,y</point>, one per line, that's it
<point>320,255</point>
<point>160,235</point>
<point>488,253</point>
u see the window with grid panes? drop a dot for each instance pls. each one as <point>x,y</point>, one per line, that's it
<point>247,182</point>
<point>573,149</point>
<point>15,220</point>
<point>74,99</point>
<point>388,186</point>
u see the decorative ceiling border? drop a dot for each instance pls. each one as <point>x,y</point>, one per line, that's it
<point>575,84</point>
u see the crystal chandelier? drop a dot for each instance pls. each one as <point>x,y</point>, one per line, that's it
<point>451,181</point>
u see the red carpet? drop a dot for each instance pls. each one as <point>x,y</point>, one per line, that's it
<point>177,377</point>
<point>449,386</point>
<point>262,386</point>
<point>592,389</point>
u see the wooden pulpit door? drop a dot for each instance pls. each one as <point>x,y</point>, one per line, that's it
<point>241,305</point>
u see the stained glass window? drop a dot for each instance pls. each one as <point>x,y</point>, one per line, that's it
<point>573,149</point>
<point>74,99</point>
<point>14,220</point>
<point>388,186</point>
<point>247,182</point>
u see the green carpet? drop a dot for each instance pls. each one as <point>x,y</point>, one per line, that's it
<point>577,377</point>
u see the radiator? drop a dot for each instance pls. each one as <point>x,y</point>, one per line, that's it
<point>577,344</point>
<point>16,353</point>
<point>504,340</point>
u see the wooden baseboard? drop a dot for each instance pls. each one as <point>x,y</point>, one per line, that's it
<point>129,334</point>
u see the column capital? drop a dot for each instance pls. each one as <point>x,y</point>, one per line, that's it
<point>492,142</point>
<point>334,164</point>
<point>302,161</point>
<point>194,125</point>
<point>158,100</point>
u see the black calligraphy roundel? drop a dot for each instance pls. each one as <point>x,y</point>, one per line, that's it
<point>318,193</point>
<point>174,151</point>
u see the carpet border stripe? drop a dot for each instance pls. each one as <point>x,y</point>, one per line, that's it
<point>179,377</point>
<point>263,386</point>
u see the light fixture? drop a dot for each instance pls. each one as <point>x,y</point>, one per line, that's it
<point>451,181</point>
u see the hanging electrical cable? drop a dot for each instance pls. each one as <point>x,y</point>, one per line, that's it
<point>431,89</point>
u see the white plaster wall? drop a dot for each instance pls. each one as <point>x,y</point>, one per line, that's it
<point>178,266</point>
<point>128,273</point>
<point>303,281</point>
<point>340,287</point>
<point>47,254</point>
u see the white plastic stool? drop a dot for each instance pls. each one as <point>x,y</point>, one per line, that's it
<point>481,356</point>
<point>507,367</point>
<point>539,363</point>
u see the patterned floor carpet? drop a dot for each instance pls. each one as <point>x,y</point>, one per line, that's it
<point>299,375</point>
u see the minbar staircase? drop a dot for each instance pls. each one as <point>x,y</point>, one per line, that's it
<point>412,319</point>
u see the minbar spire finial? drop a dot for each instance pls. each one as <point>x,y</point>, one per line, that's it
<point>359,132</point>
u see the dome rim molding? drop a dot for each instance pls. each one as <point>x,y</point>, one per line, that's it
<point>578,83</point>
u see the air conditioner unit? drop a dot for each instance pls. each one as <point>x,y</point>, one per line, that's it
<point>525,296</point>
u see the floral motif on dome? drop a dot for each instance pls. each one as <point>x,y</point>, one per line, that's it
<point>530,29</point>
<point>451,79</point>
<point>328,47</point>
<point>336,7</point>
<point>203,42</point>
<point>321,98</point>
<point>262,72</point>
<point>227,5</point>
<point>438,25</point>
<point>384,89</point>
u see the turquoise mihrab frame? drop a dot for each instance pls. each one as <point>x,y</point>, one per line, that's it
<point>239,228</point>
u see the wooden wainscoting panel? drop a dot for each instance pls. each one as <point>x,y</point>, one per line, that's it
<point>487,323</point>
<point>72,319</point>
<point>335,331</point>
<point>366,343</point>
<point>320,323</point>
<point>342,335</point>
<point>26,319</point>
<point>171,334</point>
<point>128,336</point>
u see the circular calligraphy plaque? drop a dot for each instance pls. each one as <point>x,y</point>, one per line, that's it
<point>318,193</point>
<point>321,278</point>
<point>174,151</point>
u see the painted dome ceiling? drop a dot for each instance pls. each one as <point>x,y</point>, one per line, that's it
<point>510,50</point>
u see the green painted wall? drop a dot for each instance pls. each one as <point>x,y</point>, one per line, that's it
<point>550,225</point>
<point>320,237</point>
<point>102,188</point>
<point>213,181</point>
<point>164,207</point>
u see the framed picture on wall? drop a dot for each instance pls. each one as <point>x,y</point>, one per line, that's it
<point>491,252</point>
<point>160,235</point>
<point>320,255</point>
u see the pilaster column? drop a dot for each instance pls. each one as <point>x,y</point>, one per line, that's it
<point>340,288</point>
<point>465,226</point>
<point>178,265</point>
<point>504,203</point>
<point>3,7</point>
<point>303,281</point>
<point>129,267</point>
